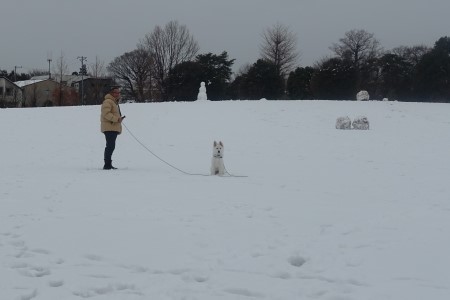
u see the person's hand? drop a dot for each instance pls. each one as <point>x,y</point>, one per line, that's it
<point>121,119</point>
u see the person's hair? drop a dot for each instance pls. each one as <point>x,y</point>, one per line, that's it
<point>114,87</point>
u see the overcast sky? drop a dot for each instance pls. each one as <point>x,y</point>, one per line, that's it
<point>30,29</point>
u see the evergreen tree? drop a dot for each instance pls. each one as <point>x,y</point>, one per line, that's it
<point>432,77</point>
<point>216,73</point>
<point>334,78</point>
<point>299,83</point>
<point>183,81</point>
<point>261,81</point>
<point>396,81</point>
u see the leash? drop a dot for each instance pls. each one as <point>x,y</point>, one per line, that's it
<point>170,165</point>
<point>231,175</point>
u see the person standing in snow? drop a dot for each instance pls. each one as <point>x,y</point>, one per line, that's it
<point>111,126</point>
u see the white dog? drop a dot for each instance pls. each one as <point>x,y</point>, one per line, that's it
<point>217,166</point>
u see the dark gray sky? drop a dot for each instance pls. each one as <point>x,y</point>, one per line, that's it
<point>108,28</point>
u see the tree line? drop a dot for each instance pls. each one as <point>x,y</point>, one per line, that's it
<point>167,66</point>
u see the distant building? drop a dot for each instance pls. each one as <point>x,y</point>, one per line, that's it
<point>11,94</point>
<point>93,89</point>
<point>39,92</point>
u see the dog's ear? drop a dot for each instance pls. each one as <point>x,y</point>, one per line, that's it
<point>220,143</point>
<point>215,143</point>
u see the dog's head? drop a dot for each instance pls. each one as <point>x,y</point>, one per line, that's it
<point>218,149</point>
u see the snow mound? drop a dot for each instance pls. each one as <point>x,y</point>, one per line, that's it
<point>362,96</point>
<point>361,123</point>
<point>343,123</point>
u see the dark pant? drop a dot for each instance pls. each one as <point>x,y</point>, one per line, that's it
<point>110,137</point>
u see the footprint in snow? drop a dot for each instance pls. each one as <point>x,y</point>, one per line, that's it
<point>93,257</point>
<point>29,296</point>
<point>18,243</point>
<point>296,261</point>
<point>33,271</point>
<point>200,278</point>
<point>59,261</point>
<point>243,292</point>
<point>282,275</point>
<point>23,254</point>
<point>41,251</point>
<point>56,283</point>
<point>109,289</point>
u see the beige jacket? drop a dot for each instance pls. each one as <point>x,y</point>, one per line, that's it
<point>110,116</point>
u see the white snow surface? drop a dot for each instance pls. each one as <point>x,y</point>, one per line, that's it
<point>322,214</point>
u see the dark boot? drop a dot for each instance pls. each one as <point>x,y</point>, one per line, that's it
<point>108,165</point>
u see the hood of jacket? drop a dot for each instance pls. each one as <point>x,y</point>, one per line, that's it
<point>111,97</point>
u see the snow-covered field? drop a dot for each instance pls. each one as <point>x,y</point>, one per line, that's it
<point>322,214</point>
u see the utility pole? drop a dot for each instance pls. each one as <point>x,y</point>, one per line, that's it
<point>49,74</point>
<point>82,71</point>
<point>15,79</point>
<point>15,71</point>
<point>49,59</point>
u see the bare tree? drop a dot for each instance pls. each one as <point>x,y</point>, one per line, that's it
<point>411,54</point>
<point>37,72</point>
<point>61,69</point>
<point>133,70</point>
<point>168,47</point>
<point>97,68</point>
<point>358,46</point>
<point>279,47</point>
